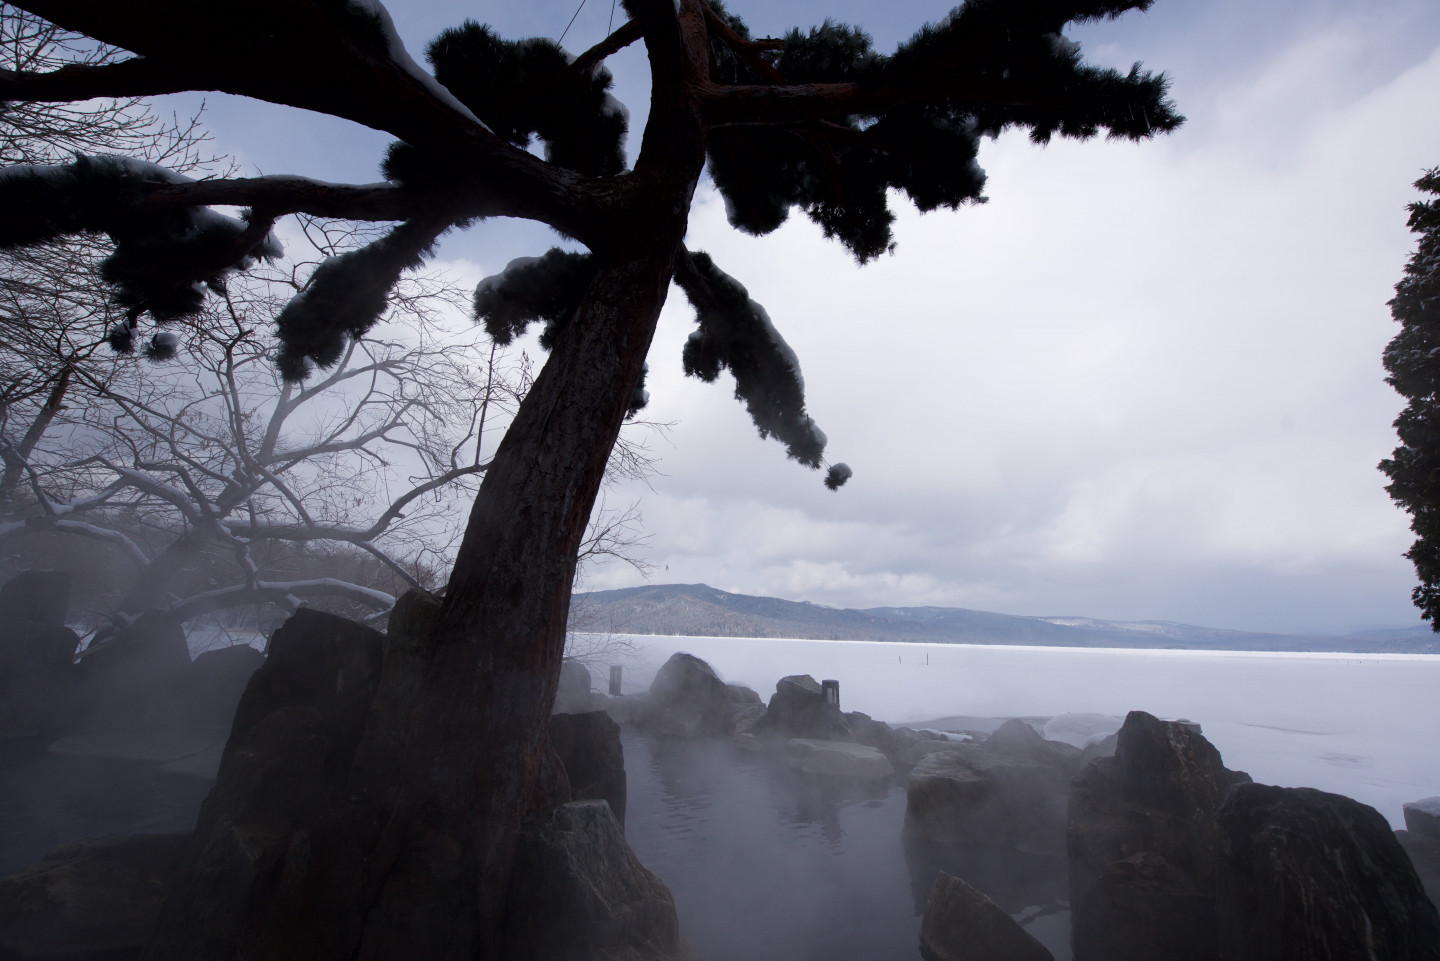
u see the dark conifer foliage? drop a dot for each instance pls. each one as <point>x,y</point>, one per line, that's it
<point>527,88</point>
<point>736,333</point>
<point>838,171</point>
<point>1413,362</point>
<point>163,258</point>
<point>346,296</point>
<point>529,289</point>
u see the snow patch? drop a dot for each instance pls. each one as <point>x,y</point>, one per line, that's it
<point>395,47</point>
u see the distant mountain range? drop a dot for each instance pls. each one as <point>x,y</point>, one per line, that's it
<point>699,610</point>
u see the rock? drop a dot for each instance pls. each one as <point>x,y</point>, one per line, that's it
<point>1423,817</point>
<point>745,710</point>
<point>798,709</point>
<point>217,680</point>
<point>96,898</point>
<point>36,676</point>
<point>628,709</point>
<point>962,924</point>
<point>574,693</point>
<point>910,754</point>
<point>838,759</point>
<point>39,596</point>
<point>1314,875</point>
<point>1018,740</point>
<point>1102,748</point>
<point>279,817</point>
<point>578,892</point>
<point>137,679</point>
<point>1425,856</point>
<point>973,797</point>
<point>687,699</point>
<point>1142,845</point>
<point>589,747</point>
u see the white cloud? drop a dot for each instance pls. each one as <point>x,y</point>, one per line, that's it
<point>1144,380</point>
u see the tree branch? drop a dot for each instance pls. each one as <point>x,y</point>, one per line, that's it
<point>136,77</point>
<point>628,33</point>
<point>278,592</point>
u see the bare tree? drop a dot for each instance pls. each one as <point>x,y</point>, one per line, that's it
<point>817,121</point>
<point>169,462</point>
<point>54,309</point>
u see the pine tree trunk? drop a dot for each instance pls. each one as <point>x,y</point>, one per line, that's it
<point>481,717</point>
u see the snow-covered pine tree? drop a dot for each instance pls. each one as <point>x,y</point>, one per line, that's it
<point>1410,360</point>
<point>816,120</point>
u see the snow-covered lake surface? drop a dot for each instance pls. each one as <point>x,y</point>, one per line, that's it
<point>1365,726</point>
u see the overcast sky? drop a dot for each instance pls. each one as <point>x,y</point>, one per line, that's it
<point>1143,381</point>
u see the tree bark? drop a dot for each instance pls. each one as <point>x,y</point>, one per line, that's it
<point>480,718</point>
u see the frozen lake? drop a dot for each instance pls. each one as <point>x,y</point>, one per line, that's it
<point>1365,726</point>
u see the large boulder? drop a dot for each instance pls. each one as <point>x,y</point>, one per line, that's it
<point>1423,817</point>
<point>39,596</point>
<point>136,679</point>
<point>276,821</point>
<point>1011,794</point>
<point>574,695</point>
<point>1314,875</point>
<point>838,759</point>
<point>217,680</point>
<point>36,676</point>
<point>687,699</point>
<point>589,748</point>
<point>962,924</point>
<point>1142,845</point>
<point>798,709</point>
<point>992,812</point>
<point>1425,856</point>
<point>90,899</point>
<point>578,893</point>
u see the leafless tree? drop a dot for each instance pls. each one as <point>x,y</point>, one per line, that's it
<point>170,461</point>
<point>54,311</point>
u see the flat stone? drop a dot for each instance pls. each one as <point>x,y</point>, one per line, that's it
<point>844,759</point>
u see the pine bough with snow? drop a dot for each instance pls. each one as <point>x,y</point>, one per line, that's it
<point>817,121</point>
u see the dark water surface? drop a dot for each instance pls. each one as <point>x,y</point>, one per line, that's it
<point>767,865</point>
<point>763,864</point>
<point>48,799</point>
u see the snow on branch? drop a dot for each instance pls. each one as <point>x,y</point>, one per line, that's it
<point>279,592</point>
<point>163,258</point>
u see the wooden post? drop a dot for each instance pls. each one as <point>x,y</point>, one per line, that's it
<point>615,680</point>
<point>831,690</point>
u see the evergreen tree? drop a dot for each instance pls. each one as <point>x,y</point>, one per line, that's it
<point>817,120</point>
<point>1410,359</point>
